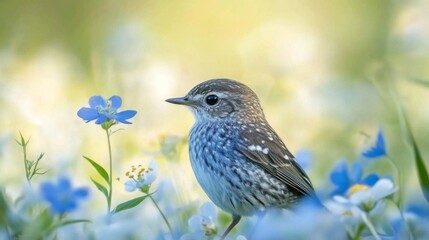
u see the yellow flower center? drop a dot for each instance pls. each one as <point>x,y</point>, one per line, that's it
<point>356,188</point>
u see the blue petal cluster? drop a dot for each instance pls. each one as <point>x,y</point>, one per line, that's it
<point>61,196</point>
<point>102,110</point>
<point>378,149</point>
<point>343,179</point>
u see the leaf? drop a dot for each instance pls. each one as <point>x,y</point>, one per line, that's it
<point>129,204</point>
<point>422,171</point>
<point>40,157</point>
<point>100,187</point>
<point>23,143</point>
<point>103,173</point>
<point>67,222</point>
<point>73,221</point>
<point>421,81</point>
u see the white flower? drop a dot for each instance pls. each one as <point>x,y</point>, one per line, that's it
<point>361,199</point>
<point>348,213</point>
<point>131,185</point>
<point>140,177</point>
<point>150,174</point>
<point>241,237</point>
<point>367,198</point>
<point>202,224</point>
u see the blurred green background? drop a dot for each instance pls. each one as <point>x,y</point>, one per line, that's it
<point>322,70</point>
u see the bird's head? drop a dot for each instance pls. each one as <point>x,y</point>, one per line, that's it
<point>222,99</point>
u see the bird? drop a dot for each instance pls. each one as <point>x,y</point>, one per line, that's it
<point>238,159</point>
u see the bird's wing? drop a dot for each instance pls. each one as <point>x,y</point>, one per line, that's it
<point>265,148</point>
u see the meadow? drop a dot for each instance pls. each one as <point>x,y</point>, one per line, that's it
<point>89,149</point>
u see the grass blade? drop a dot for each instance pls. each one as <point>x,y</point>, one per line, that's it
<point>73,221</point>
<point>67,222</point>
<point>421,81</point>
<point>422,171</point>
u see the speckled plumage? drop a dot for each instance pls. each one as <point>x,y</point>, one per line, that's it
<point>232,182</point>
<point>238,159</point>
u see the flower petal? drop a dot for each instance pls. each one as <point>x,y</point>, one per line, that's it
<point>241,237</point>
<point>139,183</point>
<point>115,102</point>
<point>149,177</point>
<point>95,101</point>
<point>48,190</point>
<point>153,165</point>
<point>87,114</point>
<point>130,185</point>
<point>370,180</point>
<point>356,172</point>
<point>195,223</point>
<point>101,119</point>
<point>343,208</point>
<point>81,192</point>
<point>383,188</point>
<point>124,115</point>
<point>340,177</point>
<point>379,148</point>
<point>419,210</point>
<point>208,210</point>
<point>64,184</point>
<point>66,205</point>
<point>361,197</point>
<point>342,200</point>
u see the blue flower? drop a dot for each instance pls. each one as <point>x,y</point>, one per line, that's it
<point>61,196</point>
<point>412,222</point>
<point>377,150</point>
<point>305,222</point>
<point>102,110</point>
<point>418,210</point>
<point>343,179</point>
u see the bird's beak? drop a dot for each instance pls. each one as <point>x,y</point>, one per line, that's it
<point>180,100</point>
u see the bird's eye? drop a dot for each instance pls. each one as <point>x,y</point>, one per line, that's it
<point>212,99</point>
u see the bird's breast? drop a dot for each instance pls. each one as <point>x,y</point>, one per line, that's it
<point>211,143</point>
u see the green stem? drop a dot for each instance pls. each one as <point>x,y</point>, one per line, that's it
<point>24,149</point>
<point>358,233</point>
<point>163,216</point>
<point>399,178</point>
<point>109,197</point>
<point>27,174</point>
<point>370,226</point>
